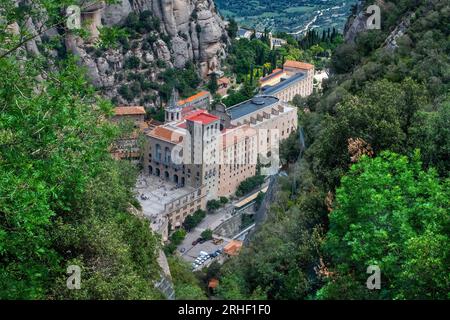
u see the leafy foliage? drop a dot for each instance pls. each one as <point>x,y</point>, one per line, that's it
<point>187,286</point>
<point>207,234</point>
<point>193,220</point>
<point>249,185</point>
<point>391,210</point>
<point>64,200</point>
<point>391,213</point>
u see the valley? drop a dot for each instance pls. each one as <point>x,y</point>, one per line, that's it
<point>291,16</point>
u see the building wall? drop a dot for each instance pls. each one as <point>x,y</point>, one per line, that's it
<point>204,160</point>
<point>136,118</point>
<point>237,160</point>
<point>163,166</point>
<point>278,117</point>
<point>303,88</point>
<point>185,206</point>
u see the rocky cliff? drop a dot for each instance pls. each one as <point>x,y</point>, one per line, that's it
<point>180,31</point>
<point>357,23</point>
<point>161,35</point>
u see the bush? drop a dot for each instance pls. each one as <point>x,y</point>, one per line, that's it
<point>161,63</point>
<point>177,237</point>
<point>249,185</point>
<point>213,205</point>
<point>169,249</point>
<point>223,200</point>
<point>193,220</point>
<point>259,199</point>
<point>156,114</point>
<point>132,63</point>
<point>207,234</point>
<point>125,92</point>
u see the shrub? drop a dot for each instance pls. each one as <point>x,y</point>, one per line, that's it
<point>132,63</point>
<point>213,205</point>
<point>125,92</point>
<point>177,237</point>
<point>249,185</point>
<point>207,234</point>
<point>193,220</point>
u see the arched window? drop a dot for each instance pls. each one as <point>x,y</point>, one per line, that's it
<point>150,170</point>
<point>167,154</point>
<point>158,152</point>
<point>166,175</point>
<point>175,178</point>
<point>157,172</point>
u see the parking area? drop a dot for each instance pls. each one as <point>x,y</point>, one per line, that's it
<point>192,252</point>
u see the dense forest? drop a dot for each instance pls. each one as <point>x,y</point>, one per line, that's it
<point>372,187</point>
<point>63,199</point>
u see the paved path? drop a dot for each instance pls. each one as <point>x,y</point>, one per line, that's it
<point>211,221</point>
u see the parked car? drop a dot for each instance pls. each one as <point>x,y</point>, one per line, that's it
<point>194,242</point>
<point>217,241</point>
<point>202,240</point>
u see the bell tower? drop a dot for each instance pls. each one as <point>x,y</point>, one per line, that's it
<point>173,110</point>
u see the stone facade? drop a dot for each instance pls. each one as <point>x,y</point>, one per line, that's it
<point>296,78</point>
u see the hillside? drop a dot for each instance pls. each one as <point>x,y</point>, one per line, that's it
<point>372,187</point>
<point>133,50</point>
<point>65,203</point>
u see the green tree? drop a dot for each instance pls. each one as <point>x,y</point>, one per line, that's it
<point>63,199</point>
<point>391,213</point>
<point>207,234</point>
<point>232,28</point>
<point>213,205</point>
<point>187,286</point>
<point>212,85</point>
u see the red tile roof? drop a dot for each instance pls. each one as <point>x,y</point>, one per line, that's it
<point>126,111</point>
<point>275,72</point>
<point>298,65</point>
<point>233,248</point>
<point>166,134</point>
<point>193,98</point>
<point>213,283</point>
<point>203,117</point>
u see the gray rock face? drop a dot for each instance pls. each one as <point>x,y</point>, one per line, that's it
<point>181,52</point>
<point>354,26</point>
<point>117,13</point>
<point>196,33</point>
<point>189,30</point>
<point>193,25</point>
<point>162,51</point>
